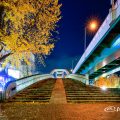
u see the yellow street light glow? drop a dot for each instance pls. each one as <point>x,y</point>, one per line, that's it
<point>93,25</point>
<point>104,88</point>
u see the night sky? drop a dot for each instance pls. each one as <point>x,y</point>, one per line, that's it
<point>70,46</point>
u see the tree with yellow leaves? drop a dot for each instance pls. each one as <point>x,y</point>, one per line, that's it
<point>113,81</point>
<point>101,82</point>
<point>26,27</point>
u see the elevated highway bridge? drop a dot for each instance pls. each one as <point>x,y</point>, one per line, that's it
<point>102,56</point>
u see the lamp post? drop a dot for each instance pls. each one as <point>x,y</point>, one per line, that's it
<point>92,26</point>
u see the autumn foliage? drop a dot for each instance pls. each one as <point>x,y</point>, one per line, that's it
<point>26,27</point>
<point>111,82</point>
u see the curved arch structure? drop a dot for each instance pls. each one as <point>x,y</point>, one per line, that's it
<point>59,73</point>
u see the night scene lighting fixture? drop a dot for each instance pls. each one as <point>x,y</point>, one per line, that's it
<point>104,88</point>
<point>93,25</point>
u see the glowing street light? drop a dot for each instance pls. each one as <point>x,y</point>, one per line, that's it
<point>92,27</point>
<point>104,88</point>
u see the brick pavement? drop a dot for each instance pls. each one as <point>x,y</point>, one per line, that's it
<point>36,111</point>
<point>58,95</point>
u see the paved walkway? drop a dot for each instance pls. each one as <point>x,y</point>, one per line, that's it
<point>36,111</point>
<point>58,109</point>
<point>58,94</point>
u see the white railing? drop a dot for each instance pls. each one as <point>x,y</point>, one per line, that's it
<point>98,37</point>
<point>23,83</point>
<point>77,77</point>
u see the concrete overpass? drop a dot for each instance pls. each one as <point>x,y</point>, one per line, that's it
<point>102,56</point>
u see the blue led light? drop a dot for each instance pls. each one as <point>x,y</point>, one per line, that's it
<point>117,42</point>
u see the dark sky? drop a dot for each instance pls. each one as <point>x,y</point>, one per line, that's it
<point>75,14</point>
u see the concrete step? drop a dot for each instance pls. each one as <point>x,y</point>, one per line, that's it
<point>93,95</point>
<point>83,101</point>
<point>44,101</point>
<point>77,92</point>
<point>90,97</point>
<point>35,93</point>
<point>46,96</point>
<point>40,92</point>
<point>33,98</point>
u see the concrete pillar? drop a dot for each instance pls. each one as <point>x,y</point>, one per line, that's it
<point>87,79</point>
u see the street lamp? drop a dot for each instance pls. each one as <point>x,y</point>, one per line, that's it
<point>92,26</point>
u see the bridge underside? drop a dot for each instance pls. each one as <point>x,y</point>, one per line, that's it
<point>108,62</point>
<point>105,69</point>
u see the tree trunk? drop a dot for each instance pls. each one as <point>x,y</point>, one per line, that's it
<point>4,57</point>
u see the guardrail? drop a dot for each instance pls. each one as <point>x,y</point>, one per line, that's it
<point>21,84</point>
<point>105,27</point>
<point>77,77</point>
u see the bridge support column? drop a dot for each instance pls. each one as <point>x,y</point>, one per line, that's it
<point>87,79</point>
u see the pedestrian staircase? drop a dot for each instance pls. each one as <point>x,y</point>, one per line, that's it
<point>38,92</point>
<point>77,92</point>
